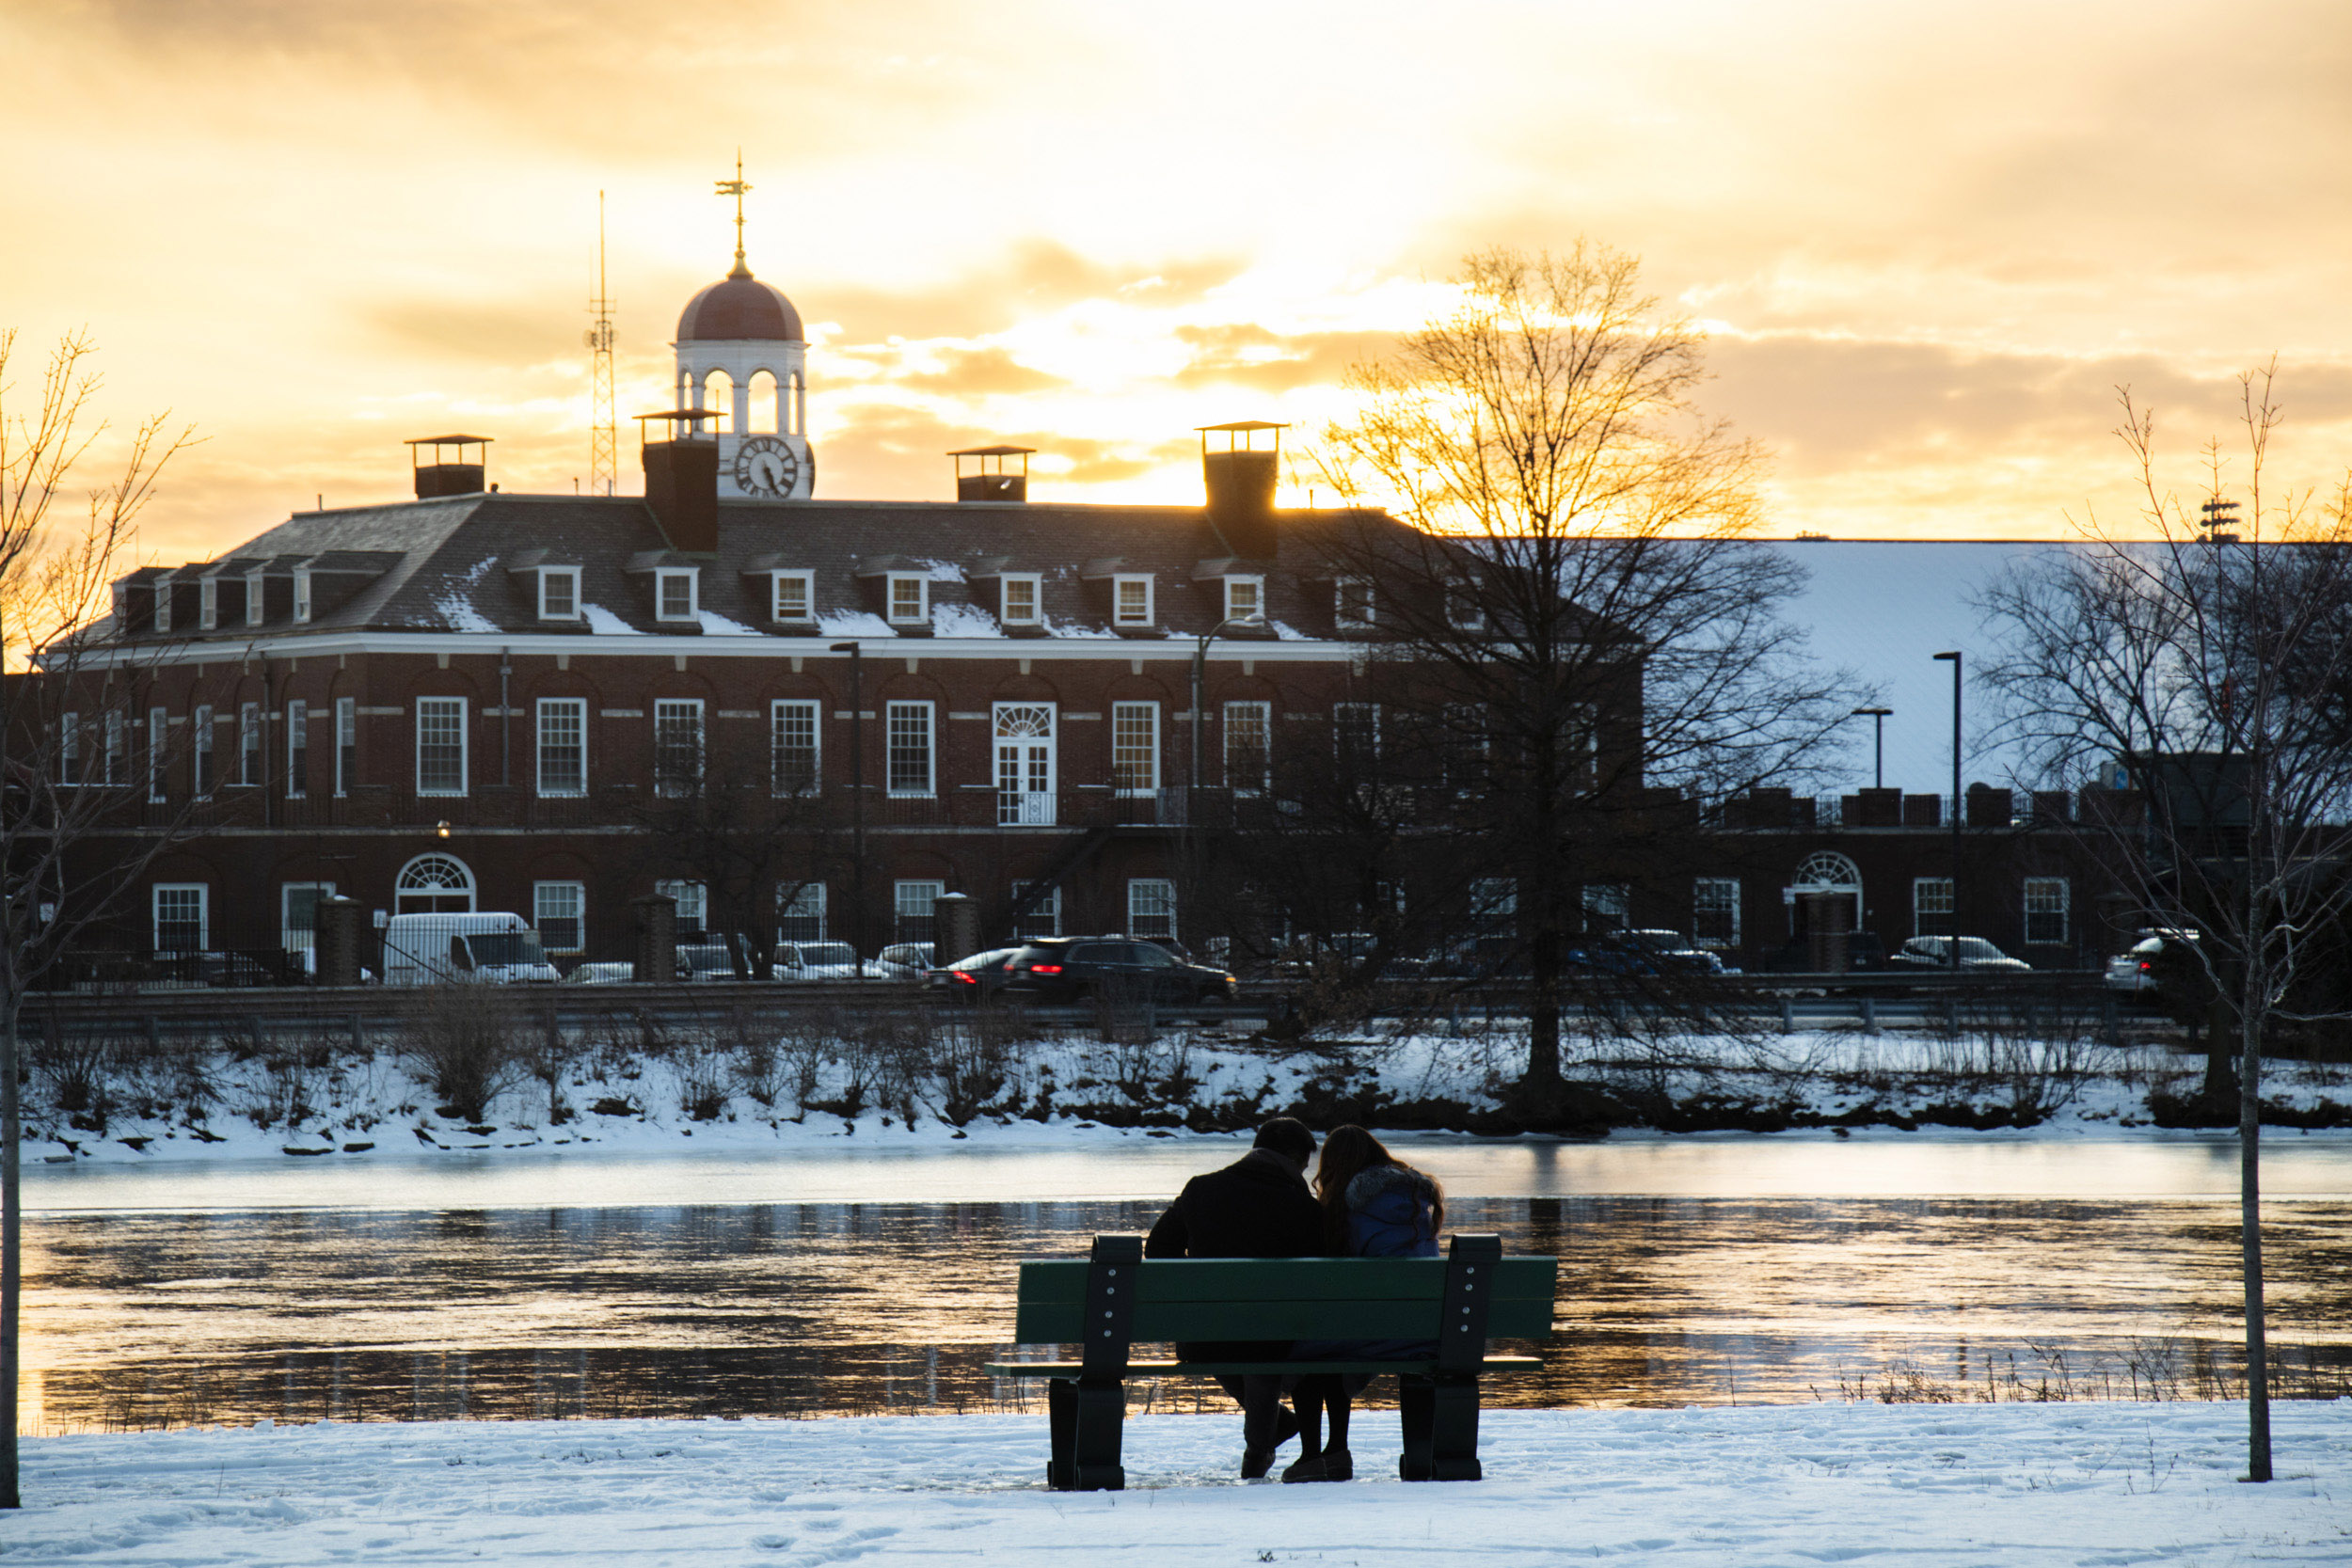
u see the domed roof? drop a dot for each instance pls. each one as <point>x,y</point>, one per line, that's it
<point>739,306</point>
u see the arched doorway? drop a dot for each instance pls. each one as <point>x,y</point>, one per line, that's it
<point>1825,894</point>
<point>434,885</point>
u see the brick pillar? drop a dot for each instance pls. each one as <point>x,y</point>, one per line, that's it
<point>653,920</point>
<point>955,928</point>
<point>340,923</point>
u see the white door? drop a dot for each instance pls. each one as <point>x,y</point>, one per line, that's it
<point>1025,765</point>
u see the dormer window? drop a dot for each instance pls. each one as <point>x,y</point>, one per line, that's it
<point>253,600</point>
<point>208,604</point>
<point>163,605</point>
<point>1245,599</point>
<point>1463,612</point>
<point>795,596</point>
<point>910,598</point>
<point>302,594</point>
<point>558,594</point>
<point>1019,600</point>
<point>1352,603</point>
<point>673,590</point>
<point>1131,601</point>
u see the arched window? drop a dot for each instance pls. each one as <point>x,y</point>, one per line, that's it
<point>719,396</point>
<point>1826,889</point>
<point>685,389</point>
<point>767,407</point>
<point>1826,869</point>
<point>434,885</point>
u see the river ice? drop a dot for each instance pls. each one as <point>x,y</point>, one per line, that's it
<point>1927,1485</point>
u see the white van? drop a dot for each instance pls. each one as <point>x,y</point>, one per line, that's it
<point>471,949</point>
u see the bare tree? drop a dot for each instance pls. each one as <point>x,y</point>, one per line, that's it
<point>1579,636</point>
<point>2208,658</point>
<point>62,745</point>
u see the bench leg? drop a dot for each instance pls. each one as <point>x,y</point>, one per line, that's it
<point>1440,1419</point>
<point>1086,1419</point>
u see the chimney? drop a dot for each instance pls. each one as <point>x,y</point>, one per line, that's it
<point>682,478</point>
<point>443,478</point>
<point>1241,479</point>
<point>991,483</point>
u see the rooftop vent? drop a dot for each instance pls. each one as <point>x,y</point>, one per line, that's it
<point>988,481</point>
<point>682,476</point>
<point>441,477</point>
<point>1241,477</point>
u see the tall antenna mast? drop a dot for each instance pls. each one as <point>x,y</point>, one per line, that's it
<point>601,441</point>
<point>738,189</point>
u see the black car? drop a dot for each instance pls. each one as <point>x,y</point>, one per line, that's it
<point>1865,953</point>
<point>1068,969</point>
<point>969,979</point>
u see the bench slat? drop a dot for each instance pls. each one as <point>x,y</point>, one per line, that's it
<point>1175,1279</point>
<point>1063,1325</point>
<point>1247,1369</point>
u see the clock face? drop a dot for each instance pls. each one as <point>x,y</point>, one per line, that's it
<point>766,467</point>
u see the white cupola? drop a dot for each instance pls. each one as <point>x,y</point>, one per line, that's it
<point>740,353</point>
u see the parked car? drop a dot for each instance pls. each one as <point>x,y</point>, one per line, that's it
<point>1976,955</point>
<point>1342,951</point>
<point>706,961</point>
<point>477,949</point>
<point>601,974</point>
<point>2138,967</point>
<point>1068,969</point>
<point>815,960</point>
<point>1644,953</point>
<point>231,969</point>
<point>900,960</point>
<point>969,979</point>
<point>1864,953</point>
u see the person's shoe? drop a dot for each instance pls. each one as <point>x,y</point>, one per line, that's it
<point>1255,1463</point>
<point>1330,1465</point>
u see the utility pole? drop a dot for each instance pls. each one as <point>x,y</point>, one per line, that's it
<point>1954,940</point>
<point>1878,716</point>
<point>857,789</point>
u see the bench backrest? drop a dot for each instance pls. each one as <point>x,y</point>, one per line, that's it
<point>1286,1298</point>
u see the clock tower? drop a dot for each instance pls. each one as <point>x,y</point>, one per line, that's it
<point>740,353</point>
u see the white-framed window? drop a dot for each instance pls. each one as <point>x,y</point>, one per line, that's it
<point>1930,906</point>
<point>1022,599</point>
<point>793,596</point>
<point>69,748</point>
<point>1464,611</point>
<point>441,745</point>
<point>1494,908</point>
<point>1608,907</point>
<point>795,766</point>
<point>2045,912</point>
<point>297,750</point>
<point>200,749</point>
<point>1356,739</point>
<point>255,600</point>
<point>694,907</point>
<point>1715,911</point>
<point>800,912</point>
<point>1044,918</point>
<point>208,604</point>
<point>1131,601</point>
<point>1136,748</point>
<point>559,593</point>
<point>1249,747</point>
<point>162,604</point>
<point>674,594</point>
<point>182,916</point>
<point>910,598</point>
<point>907,731</point>
<point>346,744</point>
<point>563,745</point>
<point>677,747</point>
<point>559,912</point>
<point>249,743</point>
<point>299,915</point>
<point>1245,599</point>
<point>912,905</point>
<point>158,739</point>
<point>1352,602</point>
<point>117,761</point>
<point>302,594</point>
<point>1152,908</point>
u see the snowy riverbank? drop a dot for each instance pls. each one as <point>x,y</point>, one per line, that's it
<point>951,1081</point>
<point>2006,1485</point>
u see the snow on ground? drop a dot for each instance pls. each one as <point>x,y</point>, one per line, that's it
<point>2009,1486</point>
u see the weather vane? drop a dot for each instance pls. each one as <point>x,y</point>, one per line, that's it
<point>738,189</point>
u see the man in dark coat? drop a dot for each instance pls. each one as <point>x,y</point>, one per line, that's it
<point>1257,1207</point>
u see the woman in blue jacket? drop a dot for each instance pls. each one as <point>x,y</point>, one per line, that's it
<point>1375,1205</point>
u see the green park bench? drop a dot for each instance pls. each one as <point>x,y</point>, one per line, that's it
<point>1113,1299</point>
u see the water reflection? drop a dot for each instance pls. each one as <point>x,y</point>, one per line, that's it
<point>137,1319</point>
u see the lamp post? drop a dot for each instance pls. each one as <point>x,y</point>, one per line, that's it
<point>1878,716</point>
<point>857,791</point>
<point>1200,665</point>
<point>1953,940</point>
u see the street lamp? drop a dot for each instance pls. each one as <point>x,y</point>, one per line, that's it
<point>1954,939</point>
<point>857,789</point>
<point>1199,663</point>
<point>1878,716</point>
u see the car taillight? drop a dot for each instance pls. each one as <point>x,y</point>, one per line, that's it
<point>2146,965</point>
<point>965,976</point>
<point>1045,969</point>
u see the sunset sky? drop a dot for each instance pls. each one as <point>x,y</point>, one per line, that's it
<point>1927,240</point>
